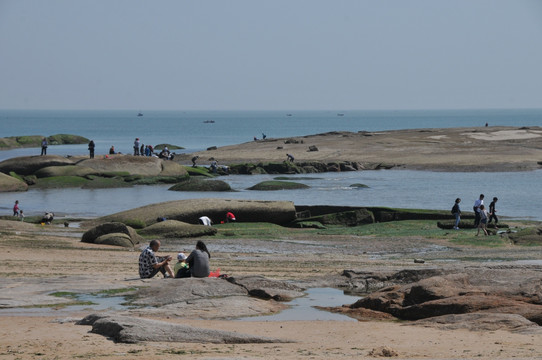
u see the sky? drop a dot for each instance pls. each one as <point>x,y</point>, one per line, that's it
<point>270,55</point>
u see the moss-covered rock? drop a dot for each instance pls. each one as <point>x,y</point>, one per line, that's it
<point>169,146</point>
<point>530,236</point>
<point>115,239</point>
<point>68,170</point>
<point>171,168</point>
<point>111,228</point>
<point>346,218</point>
<point>278,185</point>
<point>9,183</point>
<point>177,229</point>
<point>277,212</point>
<point>197,184</point>
<point>55,182</point>
<point>28,165</point>
<point>198,171</point>
<point>66,139</point>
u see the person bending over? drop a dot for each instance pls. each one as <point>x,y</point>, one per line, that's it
<point>150,264</point>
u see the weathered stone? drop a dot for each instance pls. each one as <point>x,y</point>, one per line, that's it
<point>277,185</point>
<point>347,218</point>
<point>277,212</point>
<point>68,170</point>
<point>177,229</point>
<point>197,184</point>
<point>115,239</point>
<point>135,165</point>
<point>171,168</point>
<point>135,330</point>
<point>266,289</point>
<point>9,183</point>
<point>313,148</point>
<point>28,165</point>
<point>111,228</point>
<point>482,322</point>
<point>532,236</point>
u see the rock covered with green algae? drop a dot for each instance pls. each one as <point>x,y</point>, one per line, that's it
<point>10,183</point>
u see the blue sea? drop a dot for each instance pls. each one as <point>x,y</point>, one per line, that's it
<point>518,192</point>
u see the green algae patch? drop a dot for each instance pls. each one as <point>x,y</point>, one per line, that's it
<point>278,185</point>
<point>198,171</point>
<point>66,139</point>
<point>54,182</point>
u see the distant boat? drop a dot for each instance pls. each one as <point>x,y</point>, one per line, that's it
<point>340,114</point>
<point>288,114</point>
<point>209,122</point>
<point>139,114</point>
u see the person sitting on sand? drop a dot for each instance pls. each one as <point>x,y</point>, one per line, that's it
<point>112,150</point>
<point>150,264</point>
<point>181,269</point>
<point>483,220</point>
<point>198,261</point>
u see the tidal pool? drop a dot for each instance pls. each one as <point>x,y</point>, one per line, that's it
<point>303,308</point>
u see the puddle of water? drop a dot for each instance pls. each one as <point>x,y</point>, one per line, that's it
<point>302,308</point>
<point>99,303</point>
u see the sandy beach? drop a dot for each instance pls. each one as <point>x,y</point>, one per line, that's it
<point>38,260</point>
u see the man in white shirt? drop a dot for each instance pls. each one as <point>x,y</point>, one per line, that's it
<point>204,220</point>
<point>476,209</point>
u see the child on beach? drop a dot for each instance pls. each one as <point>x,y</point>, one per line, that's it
<point>483,220</point>
<point>181,269</point>
<point>21,215</point>
<point>16,208</point>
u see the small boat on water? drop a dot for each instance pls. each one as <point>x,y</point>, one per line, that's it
<point>340,114</point>
<point>139,114</point>
<point>288,114</point>
<point>209,122</point>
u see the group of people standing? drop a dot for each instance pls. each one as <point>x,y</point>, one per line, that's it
<point>482,216</point>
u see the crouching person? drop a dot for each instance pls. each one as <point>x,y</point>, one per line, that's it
<point>150,264</point>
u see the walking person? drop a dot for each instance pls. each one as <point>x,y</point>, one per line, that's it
<point>483,220</point>
<point>91,147</point>
<point>16,208</point>
<point>44,147</point>
<point>456,211</point>
<point>476,209</point>
<point>492,212</point>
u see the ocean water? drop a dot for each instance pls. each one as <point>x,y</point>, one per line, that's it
<point>518,192</point>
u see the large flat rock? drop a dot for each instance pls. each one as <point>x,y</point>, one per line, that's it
<point>28,165</point>
<point>9,183</point>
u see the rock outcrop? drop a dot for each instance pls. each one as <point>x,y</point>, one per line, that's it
<point>197,184</point>
<point>9,183</point>
<point>176,229</point>
<point>134,165</point>
<point>28,165</point>
<point>127,329</point>
<point>277,212</point>
<point>112,233</point>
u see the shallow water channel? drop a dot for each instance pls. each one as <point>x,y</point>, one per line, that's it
<point>303,308</point>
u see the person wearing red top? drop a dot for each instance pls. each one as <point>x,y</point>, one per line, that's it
<point>230,217</point>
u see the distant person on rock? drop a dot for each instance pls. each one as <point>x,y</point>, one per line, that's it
<point>48,218</point>
<point>44,146</point>
<point>142,150</point>
<point>204,220</point>
<point>112,150</point>
<point>150,264</point>
<point>214,166</point>
<point>264,136</point>
<point>456,211</point>
<point>289,158</point>
<point>492,212</point>
<point>198,261</point>
<point>136,147</point>
<point>91,147</point>
<point>194,159</point>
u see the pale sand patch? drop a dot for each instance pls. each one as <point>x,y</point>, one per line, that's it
<point>438,137</point>
<point>504,135</point>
